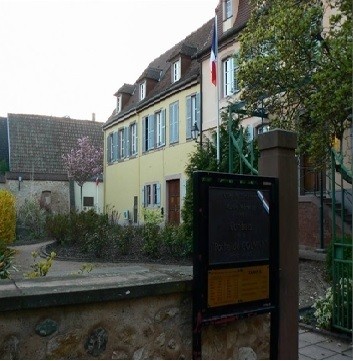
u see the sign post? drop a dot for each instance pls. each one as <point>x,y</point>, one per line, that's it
<point>235,261</point>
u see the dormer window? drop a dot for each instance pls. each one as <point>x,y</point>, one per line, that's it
<point>176,71</point>
<point>118,104</point>
<point>227,9</point>
<point>142,89</point>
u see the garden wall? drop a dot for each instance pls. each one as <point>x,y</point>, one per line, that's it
<point>86,318</point>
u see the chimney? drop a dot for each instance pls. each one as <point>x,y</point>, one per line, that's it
<point>93,117</point>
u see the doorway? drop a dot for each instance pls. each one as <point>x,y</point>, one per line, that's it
<point>173,187</point>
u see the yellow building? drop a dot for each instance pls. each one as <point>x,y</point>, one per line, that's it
<point>149,136</point>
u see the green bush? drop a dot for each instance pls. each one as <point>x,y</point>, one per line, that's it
<point>151,234</point>
<point>6,262</point>
<point>40,268</point>
<point>323,309</point>
<point>177,243</point>
<point>33,218</point>
<point>7,217</point>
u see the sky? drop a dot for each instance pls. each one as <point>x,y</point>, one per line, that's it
<point>69,57</point>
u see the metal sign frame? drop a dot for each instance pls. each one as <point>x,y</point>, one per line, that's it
<point>221,278</point>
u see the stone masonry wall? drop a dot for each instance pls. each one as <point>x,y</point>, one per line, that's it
<point>157,327</point>
<point>60,194</point>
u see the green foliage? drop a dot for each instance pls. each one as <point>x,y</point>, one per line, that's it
<point>40,268</point>
<point>300,72</point>
<point>6,262</point>
<point>323,309</point>
<point>33,218</point>
<point>176,241</point>
<point>3,166</point>
<point>151,228</point>
<point>7,218</point>
<point>205,158</point>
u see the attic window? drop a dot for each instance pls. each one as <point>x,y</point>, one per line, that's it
<point>142,90</point>
<point>176,73</point>
<point>227,9</point>
<point>118,104</point>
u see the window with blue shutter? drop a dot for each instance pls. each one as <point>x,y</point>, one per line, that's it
<point>115,146</point>
<point>174,122</point>
<point>192,113</point>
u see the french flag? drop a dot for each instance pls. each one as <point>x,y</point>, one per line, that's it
<point>214,53</point>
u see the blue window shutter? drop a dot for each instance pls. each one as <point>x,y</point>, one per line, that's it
<point>144,135</point>
<point>188,117</point>
<point>198,110</point>
<point>171,123</point>
<point>158,198</point>
<point>115,146</point>
<point>109,148</point>
<point>163,115</point>
<point>143,196</point>
<point>127,141</point>
<point>151,132</point>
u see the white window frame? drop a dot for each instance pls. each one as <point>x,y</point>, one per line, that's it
<point>230,84</point>
<point>192,113</point>
<point>176,70</point>
<point>160,128</point>
<point>174,122</point>
<point>121,143</point>
<point>142,89</point>
<point>151,194</point>
<point>228,11</point>
<point>133,138</point>
<point>118,104</point>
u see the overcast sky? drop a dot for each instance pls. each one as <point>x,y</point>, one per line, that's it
<point>68,57</point>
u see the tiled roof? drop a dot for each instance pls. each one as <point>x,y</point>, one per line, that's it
<point>126,88</point>
<point>195,42</point>
<point>4,154</point>
<point>38,142</point>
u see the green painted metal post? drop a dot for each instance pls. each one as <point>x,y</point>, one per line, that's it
<point>230,145</point>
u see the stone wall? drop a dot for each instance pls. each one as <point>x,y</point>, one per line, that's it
<point>59,191</point>
<point>79,326</point>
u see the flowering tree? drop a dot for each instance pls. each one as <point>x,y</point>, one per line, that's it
<point>83,162</point>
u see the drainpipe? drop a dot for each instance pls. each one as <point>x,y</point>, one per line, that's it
<point>201,107</point>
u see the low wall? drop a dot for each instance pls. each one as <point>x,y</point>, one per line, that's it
<point>97,318</point>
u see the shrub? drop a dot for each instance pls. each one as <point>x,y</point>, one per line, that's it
<point>323,309</point>
<point>40,268</point>
<point>151,234</point>
<point>6,262</point>
<point>176,241</point>
<point>7,217</point>
<point>32,218</point>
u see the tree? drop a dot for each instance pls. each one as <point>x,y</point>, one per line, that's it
<point>204,158</point>
<point>84,162</point>
<point>299,71</point>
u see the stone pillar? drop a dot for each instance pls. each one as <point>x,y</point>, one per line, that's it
<point>277,159</point>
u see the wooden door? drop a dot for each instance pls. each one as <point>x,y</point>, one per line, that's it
<point>174,201</point>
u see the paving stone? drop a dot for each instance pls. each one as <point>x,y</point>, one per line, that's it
<point>312,337</point>
<point>316,352</point>
<point>303,357</point>
<point>334,345</point>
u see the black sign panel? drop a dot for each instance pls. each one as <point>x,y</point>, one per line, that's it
<point>235,263</point>
<point>239,225</point>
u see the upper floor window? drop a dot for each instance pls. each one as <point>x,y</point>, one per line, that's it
<point>112,147</point>
<point>121,143</point>
<point>160,128</point>
<point>174,122</point>
<point>133,139</point>
<point>227,9</point>
<point>148,133</point>
<point>176,71</point>
<point>142,90</point>
<point>230,84</point>
<point>192,113</point>
<point>118,104</point>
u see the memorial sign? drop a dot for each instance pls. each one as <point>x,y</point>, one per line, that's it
<point>235,247</point>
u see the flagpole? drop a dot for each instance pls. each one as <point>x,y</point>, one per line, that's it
<point>217,91</point>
